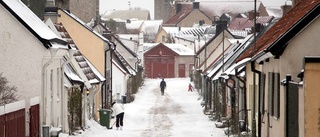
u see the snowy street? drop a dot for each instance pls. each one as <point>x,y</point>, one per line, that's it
<point>176,114</point>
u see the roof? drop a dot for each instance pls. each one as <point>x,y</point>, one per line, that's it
<point>126,14</point>
<point>233,8</point>
<point>27,18</point>
<point>85,65</point>
<point>185,11</point>
<point>286,28</point>
<point>178,49</point>
<point>230,56</point>
<point>245,23</point>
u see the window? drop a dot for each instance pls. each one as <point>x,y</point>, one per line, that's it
<point>274,94</point>
<point>163,38</point>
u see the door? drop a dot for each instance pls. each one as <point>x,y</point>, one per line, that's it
<point>182,70</point>
<point>293,103</point>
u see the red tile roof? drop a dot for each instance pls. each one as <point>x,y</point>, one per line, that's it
<point>244,23</point>
<point>279,29</point>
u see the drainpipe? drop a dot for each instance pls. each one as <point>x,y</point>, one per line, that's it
<point>53,52</point>
<point>254,100</point>
<point>244,97</point>
<point>64,109</point>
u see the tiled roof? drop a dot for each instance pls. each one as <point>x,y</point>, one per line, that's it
<point>284,25</point>
<point>185,10</point>
<point>233,8</point>
<point>126,14</point>
<point>78,56</point>
<point>245,23</point>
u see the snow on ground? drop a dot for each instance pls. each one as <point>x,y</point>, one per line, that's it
<point>176,114</point>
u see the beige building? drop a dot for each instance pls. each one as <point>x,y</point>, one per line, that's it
<point>282,105</point>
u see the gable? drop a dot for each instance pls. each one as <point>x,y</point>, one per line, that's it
<point>194,17</point>
<point>160,50</point>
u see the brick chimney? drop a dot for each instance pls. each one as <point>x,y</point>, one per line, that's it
<point>286,9</point>
<point>52,13</point>
<point>251,14</point>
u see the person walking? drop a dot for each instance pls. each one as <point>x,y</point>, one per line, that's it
<point>118,110</point>
<point>190,87</point>
<point>162,86</point>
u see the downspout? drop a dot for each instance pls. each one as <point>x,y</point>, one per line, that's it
<point>53,52</point>
<point>254,90</point>
<point>244,97</point>
<point>104,99</point>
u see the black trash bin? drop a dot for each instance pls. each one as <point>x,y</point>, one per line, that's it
<point>124,99</point>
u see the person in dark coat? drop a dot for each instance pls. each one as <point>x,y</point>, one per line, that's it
<point>162,86</point>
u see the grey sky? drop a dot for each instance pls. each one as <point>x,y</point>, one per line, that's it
<point>149,4</point>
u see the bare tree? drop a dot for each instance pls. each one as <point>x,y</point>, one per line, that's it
<point>7,93</point>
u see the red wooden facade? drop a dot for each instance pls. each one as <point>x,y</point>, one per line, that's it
<point>159,62</point>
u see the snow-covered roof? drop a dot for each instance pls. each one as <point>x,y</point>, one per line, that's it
<point>27,16</point>
<point>180,49</point>
<point>71,74</point>
<point>96,72</point>
<point>126,14</point>
<point>136,24</point>
<point>151,26</point>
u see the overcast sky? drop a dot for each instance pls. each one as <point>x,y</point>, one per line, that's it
<point>149,4</point>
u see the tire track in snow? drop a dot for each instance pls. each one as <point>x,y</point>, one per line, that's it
<point>160,123</point>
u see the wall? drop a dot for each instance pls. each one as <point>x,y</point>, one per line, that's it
<point>193,18</point>
<point>91,46</point>
<point>312,99</point>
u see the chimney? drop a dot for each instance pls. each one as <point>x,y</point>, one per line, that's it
<point>259,27</point>
<point>221,25</point>
<point>251,14</point>
<point>178,7</point>
<point>196,5</point>
<point>285,9</point>
<point>107,35</point>
<point>52,13</point>
<point>97,12</point>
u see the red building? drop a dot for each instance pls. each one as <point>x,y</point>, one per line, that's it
<point>168,61</point>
